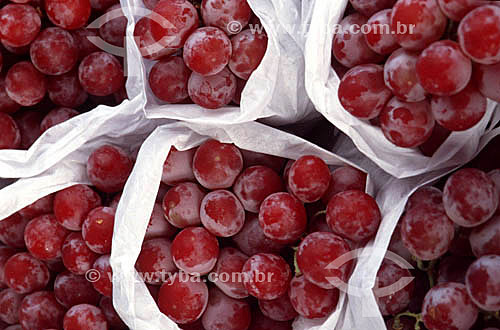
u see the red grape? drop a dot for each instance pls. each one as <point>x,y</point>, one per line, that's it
<point>155,260</point>
<point>279,309</point>
<point>400,75</point>
<point>24,274</point>
<point>479,34</point>
<point>5,253</point>
<point>101,5</point>
<point>83,39</point>
<point>76,255</point>
<point>112,317</point>
<point>54,51</point>
<point>350,48</point>
<point>181,205</point>
<point>100,74</point>
<point>251,239</point>
<point>470,197</point>
<point>226,14</point>
<point>11,135</point>
<point>113,31</point>
<point>40,310</point>
<point>443,69</point>
<point>426,232</point>
<point>68,14</point>
<point>308,178</point>
<point>282,217</point>
<point>494,175</point>
<point>396,245</point>
<point>487,79</point>
<point>457,9</point>
<point>212,92</point>
<point>370,7</point>
<point>102,276</point>
<point>435,141</point>
<point>252,158</point>
<point>57,116</point>
<point>97,229</point>
<point>44,237</point>
<point>84,317</point>
<point>262,322</point>
<point>225,313</point>
<point>427,196</point>
<point>310,300</point>
<point>461,111</point>
<point>40,207</point>
<point>388,274</point>
<point>157,226</point>
<point>7,105</point>
<point>65,90</point>
<point>207,51</point>
<point>173,21</point>
<point>342,179</point>
<point>228,273</point>
<point>362,91</point>
<point>379,38</point>
<point>183,301</point>
<point>195,250</point>
<point>316,252</point>
<point>447,306</point>
<point>148,47</point>
<point>71,290</point>
<point>248,49</point>
<point>12,230</point>
<point>417,23</point>
<point>483,282</point>
<point>73,204</point>
<point>216,165</point>
<point>19,24</point>
<point>108,168</point>
<point>24,84</point>
<point>407,125</point>
<point>266,276</point>
<point>178,166</point>
<point>221,213</point>
<point>10,303</point>
<point>168,79</point>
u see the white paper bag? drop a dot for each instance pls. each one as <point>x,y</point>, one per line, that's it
<point>322,87</point>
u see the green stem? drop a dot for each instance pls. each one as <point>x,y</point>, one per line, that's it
<point>429,269</point>
<point>295,263</point>
<point>397,322</point>
<point>317,214</point>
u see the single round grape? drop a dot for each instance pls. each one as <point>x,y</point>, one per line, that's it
<point>427,196</point>
<point>379,38</point>
<point>19,24</point>
<point>65,90</point>
<point>494,175</point>
<point>461,111</point>
<point>7,105</point>
<point>407,125</point>
<point>388,274</point>
<point>24,84</point>
<point>479,34</point>
<point>5,253</point>
<point>68,14</point>
<point>485,239</point>
<point>173,21</point>
<point>248,49</point>
<point>100,74</point>
<point>148,47</point>
<point>195,250</point>
<point>72,205</point>
<point>342,179</point>
<point>155,260</point>
<point>84,317</point>
<point>228,270</point>
<point>447,306</point>
<point>279,309</point>
<point>168,79</point>
<point>400,76</point>
<point>362,91</point>
<point>266,276</point>
<point>310,300</point>
<point>457,9</point>
<point>54,51</point>
<point>443,69</point>
<point>10,303</point>
<point>57,116</point>
<point>282,218</point>
<point>181,205</point>
<point>25,274</point>
<point>226,15</point>
<point>354,215</point>
<point>470,197</point>
<point>350,48</point>
<point>12,230</point>
<point>183,301</point>
<point>221,213</point>
<point>417,23</point>
<point>11,135</point>
<point>483,282</point>
<point>76,255</point>
<point>316,252</point>
<point>71,290</point>
<point>108,168</point>
<point>251,239</point>
<point>178,166</point>
<point>83,37</point>
<point>370,7</point>
<point>308,178</point>
<point>212,92</point>
<point>216,165</point>
<point>487,80</point>
<point>44,237</point>
<point>103,275</point>
<point>113,31</point>
<point>97,229</point>
<point>225,313</point>
<point>40,310</point>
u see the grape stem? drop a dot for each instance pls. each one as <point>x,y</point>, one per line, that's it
<point>397,322</point>
<point>295,263</point>
<point>429,269</point>
<point>317,214</point>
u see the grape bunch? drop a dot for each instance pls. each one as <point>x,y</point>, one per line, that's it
<point>50,71</point>
<point>203,56</point>
<point>418,69</point>
<point>452,232</point>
